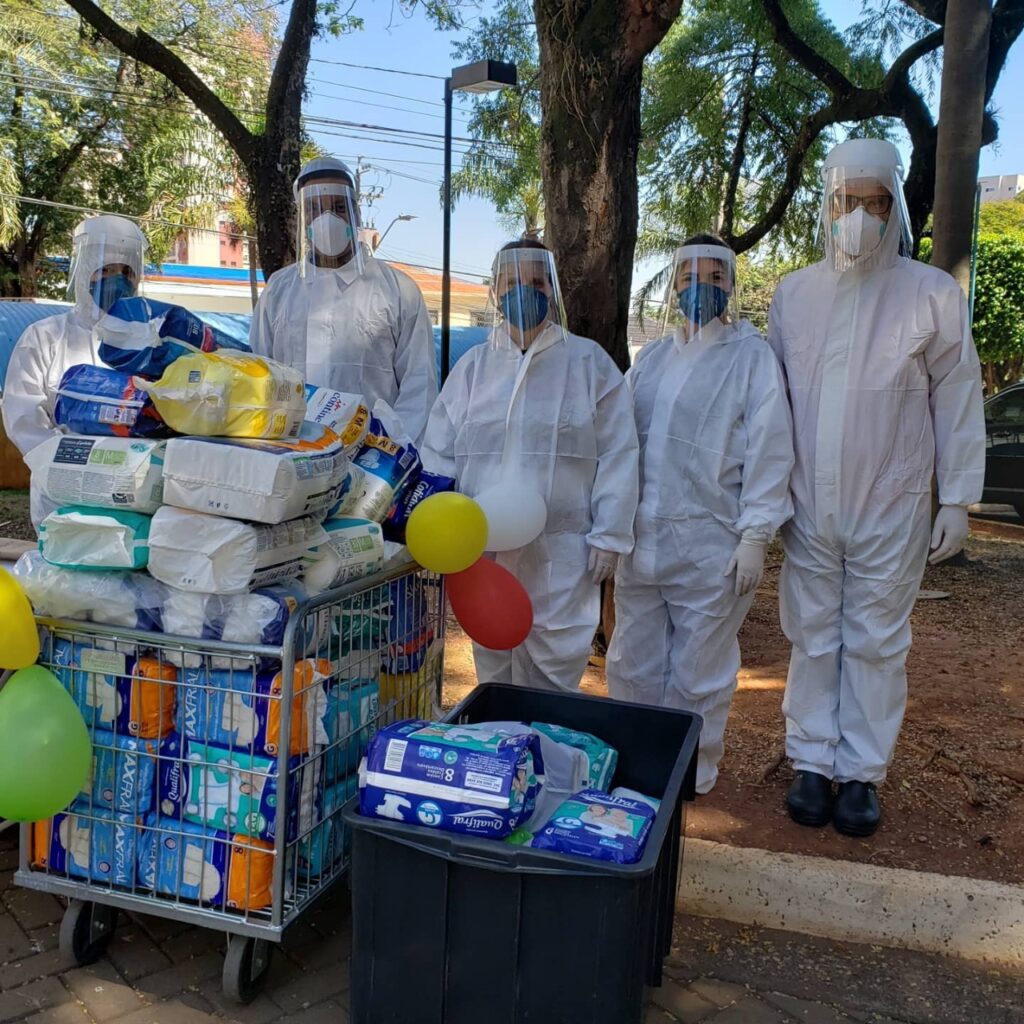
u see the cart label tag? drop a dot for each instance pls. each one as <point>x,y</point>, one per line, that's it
<point>108,663</point>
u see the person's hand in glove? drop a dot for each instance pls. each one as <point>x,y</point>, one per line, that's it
<point>602,564</point>
<point>949,533</point>
<point>748,563</point>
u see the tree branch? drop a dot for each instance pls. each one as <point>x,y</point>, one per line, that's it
<point>902,64</point>
<point>823,69</point>
<point>144,48</point>
<point>739,151</point>
<point>1007,23</point>
<point>645,23</point>
<point>933,10</point>
<point>289,75</point>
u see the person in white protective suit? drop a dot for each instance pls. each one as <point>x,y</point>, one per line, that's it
<point>716,452</point>
<point>885,389</point>
<point>348,321</point>
<point>550,410</point>
<point>106,265</point>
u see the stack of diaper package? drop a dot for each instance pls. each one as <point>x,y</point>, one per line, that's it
<point>538,785</point>
<point>201,491</point>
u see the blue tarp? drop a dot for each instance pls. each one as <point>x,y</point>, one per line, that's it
<point>16,316</point>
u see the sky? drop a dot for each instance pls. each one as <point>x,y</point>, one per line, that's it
<point>407,169</point>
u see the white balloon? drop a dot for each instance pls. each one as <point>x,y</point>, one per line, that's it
<point>515,515</point>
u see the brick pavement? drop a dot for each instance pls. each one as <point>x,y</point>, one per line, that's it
<point>160,972</point>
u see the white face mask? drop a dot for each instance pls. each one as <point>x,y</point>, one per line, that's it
<point>858,233</point>
<point>330,234</point>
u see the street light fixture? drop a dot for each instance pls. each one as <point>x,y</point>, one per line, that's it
<point>483,76</point>
<point>401,216</point>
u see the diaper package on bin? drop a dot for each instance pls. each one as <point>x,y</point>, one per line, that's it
<point>212,555</point>
<point>233,791</point>
<point>416,489</point>
<point>259,481</point>
<point>386,465</point>
<point>86,842</point>
<point>240,710</point>
<point>143,336</point>
<point>95,400</point>
<point>353,550</point>
<point>132,600</point>
<point>599,826</point>
<point>124,771</point>
<point>229,394</point>
<point>117,691</point>
<point>345,414</point>
<point>458,778</point>
<point>90,538</point>
<point>181,859</point>
<point>602,758</point>
<point>99,472</point>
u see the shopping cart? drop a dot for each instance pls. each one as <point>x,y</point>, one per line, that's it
<point>220,769</point>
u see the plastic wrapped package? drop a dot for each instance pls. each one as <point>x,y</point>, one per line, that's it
<point>410,627</point>
<point>602,758</point>
<point>131,600</point>
<point>212,555</point>
<point>345,414</point>
<point>328,843</point>
<point>258,481</point>
<point>384,465</point>
<point>88,842</point>
<point>143,336</point>
<point>89,538</point>
<point>599,826</point>
<point>97,401</point>
<point>350,718</point>
<point>354,549</point>
<point>99,472</point>
<point>123,777</point>
<point>230,394</point>
<point>417,488</point>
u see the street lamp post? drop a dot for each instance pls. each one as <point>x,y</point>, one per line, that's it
<point>401,216</point>
<point>483,76</point>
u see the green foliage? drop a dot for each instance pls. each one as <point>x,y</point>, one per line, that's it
<point>1003,218</point>
<point>506,167</point>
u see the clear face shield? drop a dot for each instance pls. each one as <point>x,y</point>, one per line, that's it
<point>328,227</point>
<point>106,264</point>
<point>525,299</point>
<point>864,220</point>
<point>701,290</point>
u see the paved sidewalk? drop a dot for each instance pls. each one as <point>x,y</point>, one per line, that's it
<point>157,972</point>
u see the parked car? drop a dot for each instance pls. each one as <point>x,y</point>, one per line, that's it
<point>1004,448</point>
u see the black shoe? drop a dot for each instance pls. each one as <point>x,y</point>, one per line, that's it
<point>810,799</point>
<point>857,811</point>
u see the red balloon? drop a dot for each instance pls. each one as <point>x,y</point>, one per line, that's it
<point>491,605</point>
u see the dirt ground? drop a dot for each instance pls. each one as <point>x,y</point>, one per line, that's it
<point>954,799</point>
<point>14,518</point>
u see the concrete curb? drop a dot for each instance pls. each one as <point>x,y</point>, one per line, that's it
<point>835,899</point>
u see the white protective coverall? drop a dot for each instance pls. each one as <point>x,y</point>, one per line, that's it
<point>716,455</point>
<point>561,413</point>
<point>367,333</point>
<point>49,347</point>
<point>885,389</point>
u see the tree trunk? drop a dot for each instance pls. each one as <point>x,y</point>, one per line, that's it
<point>272,205</point>
<point>961,115</point>
<point>591,66</point>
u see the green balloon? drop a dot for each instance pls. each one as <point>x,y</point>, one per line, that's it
<point>45,751</point>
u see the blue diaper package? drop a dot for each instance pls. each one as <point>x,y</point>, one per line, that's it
<point>124,771</point>
<point>383,465</point>
<point>144,337</point>
<point>602,757</point>
<point>350,722</point>
<point>97,401</point>
<point>233,791</point>
<point>458,778</point>
<point>410,628</point>
<point>417,488</point>
<point>183,860</point>
<point>88,842</point>
<point>599,826</point>
<point>327,844</point>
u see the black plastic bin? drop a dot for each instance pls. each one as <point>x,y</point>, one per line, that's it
<point>449,929</point>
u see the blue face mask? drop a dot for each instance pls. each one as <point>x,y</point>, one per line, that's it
<point>108,289</point>
<point>701,302</point>
<point>524,306</point>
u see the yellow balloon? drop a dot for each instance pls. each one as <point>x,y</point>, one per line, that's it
<point>447,532</point>
<point>19,637</point>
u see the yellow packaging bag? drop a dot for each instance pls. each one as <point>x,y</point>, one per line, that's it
<point>229,394</point>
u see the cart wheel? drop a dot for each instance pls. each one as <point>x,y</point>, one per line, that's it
<point>245,968</point>
<point>86,930</point>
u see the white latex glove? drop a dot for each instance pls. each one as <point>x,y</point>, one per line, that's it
<point>602,564</point>
<point>949,533</point>
<point>748,563</point>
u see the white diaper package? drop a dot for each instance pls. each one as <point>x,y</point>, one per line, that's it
<point>212,555</point>
<point>353,550</point>
<point>100,472</point>
<point>347,415</point>
<point>259,481</point>
<point>90,538</point>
